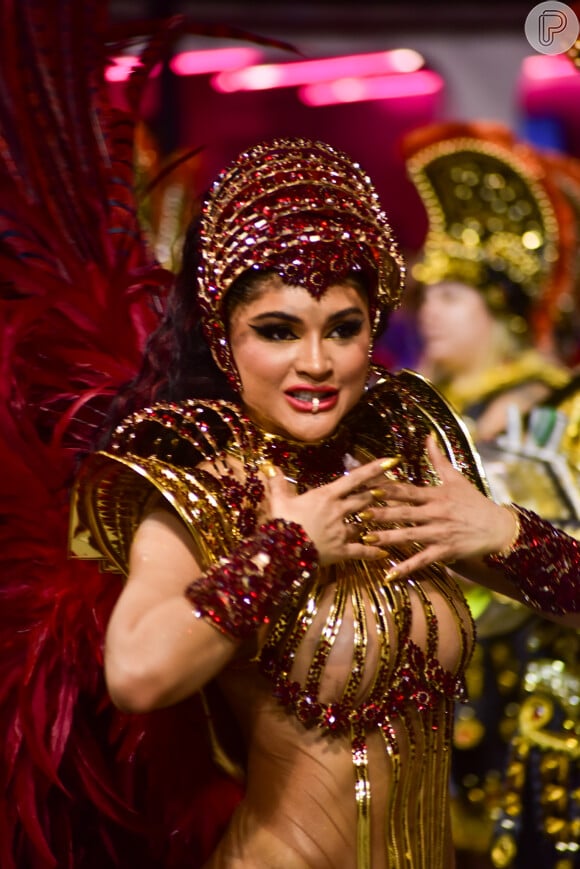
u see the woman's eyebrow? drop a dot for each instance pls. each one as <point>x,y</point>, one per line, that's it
<point>346,312</point>
<point>292,318</point>
<point>276,315</point>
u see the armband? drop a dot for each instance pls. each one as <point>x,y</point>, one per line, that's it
<point>239,593</point>
<point>543,563</point>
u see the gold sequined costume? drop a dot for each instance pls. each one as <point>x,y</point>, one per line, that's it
<point>370,669</point>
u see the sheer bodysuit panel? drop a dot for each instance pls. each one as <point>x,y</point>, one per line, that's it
<point>369,675</point>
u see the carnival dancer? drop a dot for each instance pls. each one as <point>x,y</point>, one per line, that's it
<point>283,516</point>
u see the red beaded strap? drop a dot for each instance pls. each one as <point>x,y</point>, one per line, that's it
<point>239,594</point>
<point>543,563</point>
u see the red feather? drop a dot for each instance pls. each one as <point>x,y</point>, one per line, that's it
<point>81,784</point>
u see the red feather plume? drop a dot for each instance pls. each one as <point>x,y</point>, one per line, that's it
<point>82,785</point>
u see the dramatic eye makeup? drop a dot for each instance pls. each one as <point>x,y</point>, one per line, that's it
<point>350,327</point>
<point>280,326</point>
<point>274,331</point>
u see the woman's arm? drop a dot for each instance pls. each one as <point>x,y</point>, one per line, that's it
<point>156,651</point>
<point>542,564</point>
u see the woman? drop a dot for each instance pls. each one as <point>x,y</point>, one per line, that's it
<point>287,546</point>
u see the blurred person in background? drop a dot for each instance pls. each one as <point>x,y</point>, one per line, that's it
<point>538,822</point>
<point>494,285</point>
<point>493,274</point>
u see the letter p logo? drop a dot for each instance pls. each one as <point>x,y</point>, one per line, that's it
<point>552,27</point>
<point>551,22</point>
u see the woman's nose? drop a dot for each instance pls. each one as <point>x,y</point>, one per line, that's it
<point>313,358</point>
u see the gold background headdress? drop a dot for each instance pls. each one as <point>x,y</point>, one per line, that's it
<point>304,210</point>
<point>574,51</point>
<point>495,220</point>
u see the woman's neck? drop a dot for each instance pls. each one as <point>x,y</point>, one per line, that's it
<point>306,464</point>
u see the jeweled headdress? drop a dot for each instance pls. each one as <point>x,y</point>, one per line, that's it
<point>303,210</point>
<point>495,219</point>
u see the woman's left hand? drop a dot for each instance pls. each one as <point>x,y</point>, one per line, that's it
<point>451,522</point>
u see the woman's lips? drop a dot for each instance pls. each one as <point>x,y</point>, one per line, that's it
<point>312,400</point>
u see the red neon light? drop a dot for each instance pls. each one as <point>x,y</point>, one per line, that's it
<point>275,75</point>
<point>350,90</point>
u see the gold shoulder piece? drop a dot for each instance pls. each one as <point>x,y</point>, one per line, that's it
<point>154,456</point>
<point>451,431</point>
<point>114,493</point>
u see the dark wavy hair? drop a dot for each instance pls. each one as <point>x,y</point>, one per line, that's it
<point>177,362</point>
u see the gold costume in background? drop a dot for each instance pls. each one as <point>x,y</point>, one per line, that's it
<point>539,810</point>
<point>501,222</point>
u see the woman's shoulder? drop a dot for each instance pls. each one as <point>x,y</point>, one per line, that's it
<point>187,432</point>
<point>167,453</point>
<point>409,404</point>
<point>412,398</point>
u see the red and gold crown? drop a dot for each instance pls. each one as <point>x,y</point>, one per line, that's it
<point>304,210</point>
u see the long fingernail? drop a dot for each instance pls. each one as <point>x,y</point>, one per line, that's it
<point>391,575</point>
<point>369,538</point>
<point>390,463</point>
<point>268,469</point>
<point>365,515</point>
<point>378,493</point>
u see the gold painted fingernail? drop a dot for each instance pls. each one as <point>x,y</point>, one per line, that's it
<point>365,515</point>
<point>268,469</point>
<point>390,463</point>
<point>391,575</point>
<point>369,538</point>
<point>378,493</point>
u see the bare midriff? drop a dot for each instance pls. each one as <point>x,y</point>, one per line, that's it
<point>300,807</point>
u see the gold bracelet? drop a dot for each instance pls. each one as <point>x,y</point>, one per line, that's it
<point>507,551</point>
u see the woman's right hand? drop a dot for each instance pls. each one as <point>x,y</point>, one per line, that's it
<point>324,512</point>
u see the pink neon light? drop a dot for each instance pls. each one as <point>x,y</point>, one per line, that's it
<point>214,60</point>
<point>546,66</point>
<point>350,90</point>
<point>188,62</point>
<point>121,68</point>
<point>275,75</point>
